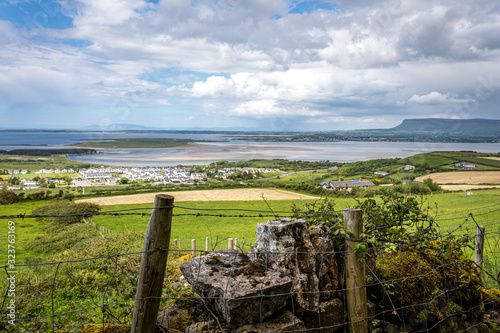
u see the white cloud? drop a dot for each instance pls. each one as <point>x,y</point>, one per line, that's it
<point>253,59</point>
<point>271,108</point>
<point>435,98</point>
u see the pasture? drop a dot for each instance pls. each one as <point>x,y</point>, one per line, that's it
<point>232,217</point>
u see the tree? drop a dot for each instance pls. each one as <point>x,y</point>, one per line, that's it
<point>124,180</point>
<point>431,185</point>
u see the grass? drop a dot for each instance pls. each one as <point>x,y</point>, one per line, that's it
<point>35,163</point>
<point>453,211</point>
<point>312,177</point>
<point>26,229</point>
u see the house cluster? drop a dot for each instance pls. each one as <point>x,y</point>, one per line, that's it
<point>42,171</point>
<point>24,184</point>
<point>110,175</point>
<point>17,172</point>
<point>226,172</point>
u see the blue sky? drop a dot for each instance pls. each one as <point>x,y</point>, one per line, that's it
<point>267,65</point>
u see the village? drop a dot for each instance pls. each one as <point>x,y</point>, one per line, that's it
<point>112,176</point>
<point>199,175</point>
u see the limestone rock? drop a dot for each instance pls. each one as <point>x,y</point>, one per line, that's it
<point>306,255</point>
<point>236,289</point>
<point>329,317</point>
<point>203,327</point>
<point>283,321</point>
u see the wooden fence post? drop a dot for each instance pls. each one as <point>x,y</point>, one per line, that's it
<point>230,243</point>
<point>153,265</point>
<point>355,274</point>
<point>206,244</point>
<point>478,259</point>
<point>193,247</point>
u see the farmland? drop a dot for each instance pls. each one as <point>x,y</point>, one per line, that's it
<point>191,226</point>
<point>251,194</point>
<point>464,177</point>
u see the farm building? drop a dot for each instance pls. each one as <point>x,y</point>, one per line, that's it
<point>349,184</point>
<point>464,165</point>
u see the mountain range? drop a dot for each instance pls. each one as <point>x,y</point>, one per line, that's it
<point>424,127</point>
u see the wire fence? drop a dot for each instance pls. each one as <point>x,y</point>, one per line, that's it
<point>405,291</point>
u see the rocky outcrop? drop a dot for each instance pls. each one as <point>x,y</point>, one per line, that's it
<point>307,255</point>
<point>249,292</point>
<point>282,321</point>
<point>290,282</point>
<point>236,289</point>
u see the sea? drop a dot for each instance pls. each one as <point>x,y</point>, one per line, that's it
<point>212,147</point>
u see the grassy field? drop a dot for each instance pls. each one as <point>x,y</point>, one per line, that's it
<point>26,229</point>
<point>452,209</point>
<point>191,220</point>
<point>35,163</point>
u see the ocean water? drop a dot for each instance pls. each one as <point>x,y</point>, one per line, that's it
<point>230,149</point>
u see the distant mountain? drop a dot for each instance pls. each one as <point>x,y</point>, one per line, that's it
<point>448,127</point>
<point>131,127</point>
<point>118,127</point>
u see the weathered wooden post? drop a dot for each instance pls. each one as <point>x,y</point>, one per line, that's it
<point>236,243</point>
<point>193,247</point>
<point>153,265</point>
<point>478,259</point>
<point>230,243</point>
<point>206,244</point>
<point>355,274</point>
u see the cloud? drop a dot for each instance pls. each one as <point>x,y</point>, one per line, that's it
<point>435,98</point>
<point>233,58</point>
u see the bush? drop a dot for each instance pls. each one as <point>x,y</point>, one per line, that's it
<point>8,197</point>
<point>64,208</point>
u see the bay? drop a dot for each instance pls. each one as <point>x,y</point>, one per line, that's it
<point>230,149</point>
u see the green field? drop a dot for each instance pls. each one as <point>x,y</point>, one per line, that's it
<point>452,210</point>
<point>85,284</point>
<point>35,163</point>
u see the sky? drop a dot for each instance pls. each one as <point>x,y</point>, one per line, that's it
<point>280,65</point>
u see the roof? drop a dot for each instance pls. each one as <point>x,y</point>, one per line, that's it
<point>351,183</point>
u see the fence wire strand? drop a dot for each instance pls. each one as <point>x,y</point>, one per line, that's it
<point>491,244</point>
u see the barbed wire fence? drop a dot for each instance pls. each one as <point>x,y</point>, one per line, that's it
<point>105,285</point>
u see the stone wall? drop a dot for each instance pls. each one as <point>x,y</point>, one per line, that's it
<point>291,281</point>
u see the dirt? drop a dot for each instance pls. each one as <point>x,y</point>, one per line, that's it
<point>206,195</point>
<point>464,177</point>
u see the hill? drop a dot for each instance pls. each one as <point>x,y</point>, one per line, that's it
<point>449,127</point>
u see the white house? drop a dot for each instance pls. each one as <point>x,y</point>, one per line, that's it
<point>464,165</point>
<point>349,184</point>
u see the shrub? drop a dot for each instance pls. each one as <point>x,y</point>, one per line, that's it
<point>64,208</point>
<point>8,197</point>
